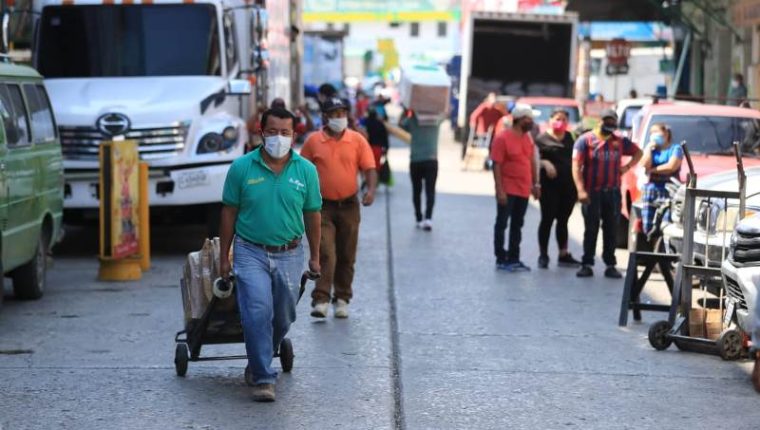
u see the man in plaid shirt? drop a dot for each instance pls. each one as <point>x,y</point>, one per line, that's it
<point>597,158</point>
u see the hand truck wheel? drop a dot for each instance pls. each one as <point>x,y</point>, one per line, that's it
<point>658,335</point>
<point>286,355</point>
<point>181,358</point>
<point>730,344</point>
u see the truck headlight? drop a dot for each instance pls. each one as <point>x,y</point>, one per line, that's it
<point>215,142</point>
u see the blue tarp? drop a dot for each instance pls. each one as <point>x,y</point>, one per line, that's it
<point>632,31</point>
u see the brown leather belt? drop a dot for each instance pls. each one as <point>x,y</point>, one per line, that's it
<point>293,244</point>
<point>344,202</point>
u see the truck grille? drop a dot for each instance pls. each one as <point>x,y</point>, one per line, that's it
<point>83,143</point>
<point>735,292</point>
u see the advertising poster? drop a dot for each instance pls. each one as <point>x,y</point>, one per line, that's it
<point>124,198</point>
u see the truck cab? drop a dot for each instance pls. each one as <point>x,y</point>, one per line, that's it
<point>173,75</point>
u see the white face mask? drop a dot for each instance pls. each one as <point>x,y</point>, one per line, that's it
<point>337,124</point>
<point>277,146</point>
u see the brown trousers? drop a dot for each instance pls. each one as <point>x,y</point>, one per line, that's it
<point>337,251</point>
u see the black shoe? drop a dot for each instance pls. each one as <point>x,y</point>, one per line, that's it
<point>567,260</point>
<point>585,272</point>
<point>612,273</point>
<point>543,262</point>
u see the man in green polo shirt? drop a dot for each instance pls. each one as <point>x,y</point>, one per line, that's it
<point>271,197</point>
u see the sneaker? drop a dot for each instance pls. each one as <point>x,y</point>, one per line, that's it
<point>427,225</point>
<point>513,266</point>
<point>567,260</point>
<point>263,393</point>
<point>543,262</point>
<point>612,273</point>
<point>319,310</point>
<point>420,225</point>
<point>585,272</point>
<point>341,309</point>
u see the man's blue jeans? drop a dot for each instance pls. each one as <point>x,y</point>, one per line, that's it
<point>267,292</point>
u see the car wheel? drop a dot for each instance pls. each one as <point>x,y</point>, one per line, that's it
<point>29,279</point>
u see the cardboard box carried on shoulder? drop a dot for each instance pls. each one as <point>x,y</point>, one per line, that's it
<point>198,275</point>
<point>425,90</point>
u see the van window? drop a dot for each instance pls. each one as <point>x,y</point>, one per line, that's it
<point>43,127</point>
<point>14,115</point>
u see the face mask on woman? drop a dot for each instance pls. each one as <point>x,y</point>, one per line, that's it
<point>559,126</point>
<point>658,139</point>
<point>277,146</point>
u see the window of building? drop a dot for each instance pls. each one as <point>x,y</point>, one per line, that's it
<point>442,28</point>
<point>347,28</point>
<point>414,29</point>
<point>395,24</point>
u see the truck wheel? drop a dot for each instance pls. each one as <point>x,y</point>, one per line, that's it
<point>636,241</point>
<point>29,279</point>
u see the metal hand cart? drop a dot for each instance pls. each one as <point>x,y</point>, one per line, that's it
<point>476,143</point>
<point>217,327</point>
<point>730,344</point>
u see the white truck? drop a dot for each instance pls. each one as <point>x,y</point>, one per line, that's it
<point>178,76</point>
<point>516,54</point>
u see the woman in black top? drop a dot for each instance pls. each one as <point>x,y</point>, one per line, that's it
<point>558,194</point>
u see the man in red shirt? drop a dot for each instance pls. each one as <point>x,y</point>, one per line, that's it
<point>484,118</point>
<point>597,157</point>
<point>515,176</point>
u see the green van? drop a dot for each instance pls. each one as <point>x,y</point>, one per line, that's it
<point>31,180</point>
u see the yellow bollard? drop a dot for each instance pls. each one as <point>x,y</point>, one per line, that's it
<point>144,237</point>
<point>119,212</point>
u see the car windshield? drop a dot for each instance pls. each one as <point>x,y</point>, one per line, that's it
<point>712,134</point>
<point>626,121</point>
<point>545,112</point>
<point>128,40</point>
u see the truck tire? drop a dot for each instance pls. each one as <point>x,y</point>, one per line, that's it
<point>29,279</point>
<point>622,228</point>
<point>637,242</point>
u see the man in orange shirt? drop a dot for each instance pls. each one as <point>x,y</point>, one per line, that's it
<point>339,154</point>
<point>516,179</point>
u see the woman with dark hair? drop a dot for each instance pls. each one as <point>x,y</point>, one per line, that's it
<point>558,195</point>
<point>378,135</point>
<point>661,161</point>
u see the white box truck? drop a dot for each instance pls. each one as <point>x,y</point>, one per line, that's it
<point>178,76</point>
<point>516,54</point>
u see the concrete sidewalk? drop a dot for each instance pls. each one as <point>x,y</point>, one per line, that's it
<point>437,339</point>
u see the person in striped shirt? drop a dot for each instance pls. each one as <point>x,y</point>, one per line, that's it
<point>597,169</point>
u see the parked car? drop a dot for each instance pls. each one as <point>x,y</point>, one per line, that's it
<point>741,271</point>
<point>709,131</point>
<point>31,180</point>
<point>711,241</point>
<point>544,106</point>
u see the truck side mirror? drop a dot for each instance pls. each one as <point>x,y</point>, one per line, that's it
<point>239,87</point>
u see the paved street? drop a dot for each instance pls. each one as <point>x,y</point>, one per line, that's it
<point>437,339</point>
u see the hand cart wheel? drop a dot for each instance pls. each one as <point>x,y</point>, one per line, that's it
<point>730,344</point>
<point>658,335</point>
<point>181,357</point>
<point>286,355</point>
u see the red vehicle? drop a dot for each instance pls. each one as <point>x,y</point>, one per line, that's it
<point>546,105</point>
<point>709,131</point>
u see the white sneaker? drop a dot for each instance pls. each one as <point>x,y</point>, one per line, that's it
<point>427,225</point>
<point>319,310</point>
<point>341,309</point>
<point>420,225</point>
